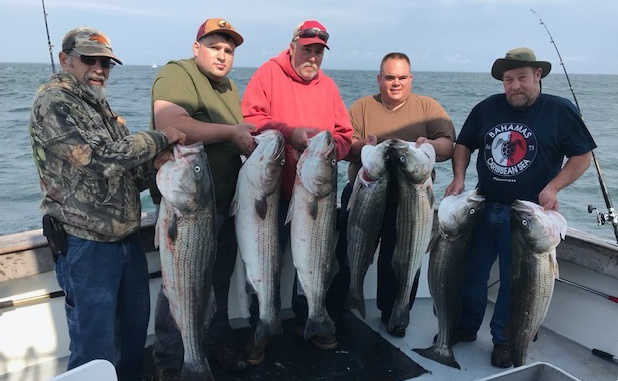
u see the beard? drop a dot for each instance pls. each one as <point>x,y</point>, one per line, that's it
<point>520,101</point>
<point>97,91</point>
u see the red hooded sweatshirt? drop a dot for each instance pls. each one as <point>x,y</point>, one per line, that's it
<point>277,98</point>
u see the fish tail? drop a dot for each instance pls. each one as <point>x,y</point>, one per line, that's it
<point>356,300</point>
<point>267,328</point>
<point>322,324</point>
<point>195,371</point>
<point>441,354</point>
<point>400,316</point>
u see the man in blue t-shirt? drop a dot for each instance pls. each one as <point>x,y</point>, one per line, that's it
<point>522,137</point>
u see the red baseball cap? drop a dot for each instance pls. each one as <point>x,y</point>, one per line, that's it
<point>310,32</point>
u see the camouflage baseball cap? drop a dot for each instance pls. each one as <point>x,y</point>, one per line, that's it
<point>88,41</point>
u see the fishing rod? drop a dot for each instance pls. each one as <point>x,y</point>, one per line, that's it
<point>602,218</point>
<point>49,44</point>
<point>14,303</point>
<point>596,292</point>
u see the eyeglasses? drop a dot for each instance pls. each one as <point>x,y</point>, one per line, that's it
<point>106,62</point>
<point>391,78</point>
<point>313,32</point>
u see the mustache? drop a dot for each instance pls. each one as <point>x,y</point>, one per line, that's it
<point>96,77</point>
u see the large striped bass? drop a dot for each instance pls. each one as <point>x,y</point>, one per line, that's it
<point>457,215</point>
<point>256,207</point>
<point>187,246</point>
<point>312,217</point>
<point>366,212</point>
<point>536,234</point>
<point>413,167</point>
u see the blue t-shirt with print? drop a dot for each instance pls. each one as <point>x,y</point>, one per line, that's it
<point>520,151</point>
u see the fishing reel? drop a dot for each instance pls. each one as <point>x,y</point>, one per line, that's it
<point>602,218</point>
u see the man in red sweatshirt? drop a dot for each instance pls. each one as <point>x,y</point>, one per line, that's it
<point>291,94</point>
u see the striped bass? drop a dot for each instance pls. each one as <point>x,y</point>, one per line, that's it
<point>457,215</point>
<point>413,167</point>
<point>366,206</point>
<point>312,218</point>
<point>256,207</point>
<point>187,245</point>
<point>536,234</point>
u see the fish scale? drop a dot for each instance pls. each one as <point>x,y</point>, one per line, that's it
<point>414,223</point>
<point>256,209</point>
<point>186,236</point>
<point>413,167</point>
<point>312,217</point>
<point>536,233</point>
<point>457,216</point>
<point>367,203</point>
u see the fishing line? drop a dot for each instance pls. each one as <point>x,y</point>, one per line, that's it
<point>602,218</point>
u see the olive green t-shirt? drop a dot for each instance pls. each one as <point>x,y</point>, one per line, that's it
<point>182,83</point>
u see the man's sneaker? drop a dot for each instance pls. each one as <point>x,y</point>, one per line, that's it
<point>170,374</point>
<point>230,358</point>
<point>501,357</point>
<point>459,337</point>
<point>324,341</point>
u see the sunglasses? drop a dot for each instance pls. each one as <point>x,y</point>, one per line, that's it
<point>106,62</point>
<point>313,32</point>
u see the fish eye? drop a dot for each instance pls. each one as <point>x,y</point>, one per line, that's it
<point>524,222</point>
<point>282,162</point>
<point>197,169</point>
<point>472,211</point>
<point>402,159</point>
<point>333,162</point>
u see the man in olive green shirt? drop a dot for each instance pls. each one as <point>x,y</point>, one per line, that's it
<point>195,96</point>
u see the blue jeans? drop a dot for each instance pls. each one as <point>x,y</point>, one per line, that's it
<point>107,302</point>
<point>168,351</point>
<point>490,239</point>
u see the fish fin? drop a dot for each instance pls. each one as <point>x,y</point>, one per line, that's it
<point>211,308</point>
<point>249,288</point>
<point>433,242</point>
<point>234,204</point>
<point>554,264</point>
<point>265,329</point>
<point>312,207</point>
<point>261,206</point>
<point>442,355</point>
<point>156,234</point>
<point>429,189</point>
<point>322,324</point>
<point>172,227</point>
<point>355,189</point>
<point>195,371</point>
<point>288,217</point>
<point>356,300</point>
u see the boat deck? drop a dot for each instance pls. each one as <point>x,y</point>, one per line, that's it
<point>551,348</point>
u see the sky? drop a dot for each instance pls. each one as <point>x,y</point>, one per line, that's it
<point>437,35</point>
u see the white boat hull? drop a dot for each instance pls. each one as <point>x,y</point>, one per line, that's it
<point>36,333</point>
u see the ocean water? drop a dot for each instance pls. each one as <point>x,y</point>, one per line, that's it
<point>129,95</point>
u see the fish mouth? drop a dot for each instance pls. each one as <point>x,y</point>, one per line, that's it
<point>279,151</point>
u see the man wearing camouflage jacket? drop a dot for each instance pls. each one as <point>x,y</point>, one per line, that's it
<point>91,174</point>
